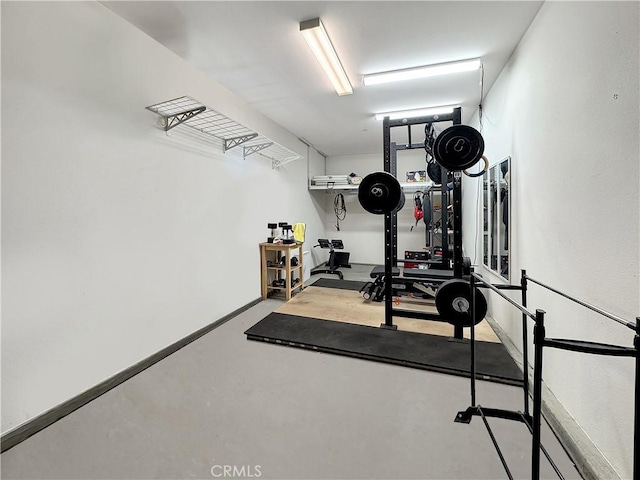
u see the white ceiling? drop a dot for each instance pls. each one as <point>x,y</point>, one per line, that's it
<point>255,50</point>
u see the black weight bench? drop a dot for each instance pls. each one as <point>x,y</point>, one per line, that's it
<point>336,259</point>
<point>427,274</point>
<point>379,270</point>
<point>417,282</point>
<point>421,273</point>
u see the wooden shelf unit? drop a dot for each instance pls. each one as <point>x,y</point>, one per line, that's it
<point>273,252</point>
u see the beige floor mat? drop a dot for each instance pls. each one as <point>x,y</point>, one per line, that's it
<point>348,306</point>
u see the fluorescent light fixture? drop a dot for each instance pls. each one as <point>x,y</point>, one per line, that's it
<point>418,112</point>
<point>422,72</point>
<point>316,36</point>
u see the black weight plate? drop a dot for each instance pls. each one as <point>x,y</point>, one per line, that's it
<point>380,192</point>
<point>453,301</point>
<point>466,266</point>
<point>401,203</point>
<point>458,147</point>
<point>434,172</point>
<point>426,208</point>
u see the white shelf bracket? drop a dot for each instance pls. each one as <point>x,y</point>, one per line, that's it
<point>229,143</point>
<point>251,149</point>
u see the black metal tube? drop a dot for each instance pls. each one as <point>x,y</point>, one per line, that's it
<point>412,146</point>
<point>494,289</point>
<point>388,254</point>
<point>457,116</point>
<point>394,239</point>
<point>546,453</point>
<point>417,315</point>
<point>495,444</point>
<point>507,287</point>
<point>443,117</point>
<point>538,340</point>
<point>457,224</point>
<point>552,463</point>
<point>388,272</point>
<point>636,412</point>
<point>444,217</point>
<point>525,343</point>
<point>472,284</point>
<point>616,318</point>
<point>393,170</point>
<point>386,143</point>
<point>415,260</point>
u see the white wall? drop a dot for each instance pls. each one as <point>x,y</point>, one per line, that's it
<point>363,232</point>
<point>317,166</point>
<point>116,239</point>
<point>575,199</point>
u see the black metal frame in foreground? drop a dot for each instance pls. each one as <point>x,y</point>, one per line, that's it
<point>533,422</point>
<point>391,219</point>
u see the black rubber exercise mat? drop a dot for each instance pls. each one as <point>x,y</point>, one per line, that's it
<point>417,350</point>
<point>339,284</point>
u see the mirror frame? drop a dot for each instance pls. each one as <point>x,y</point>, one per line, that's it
<point>494,175</point>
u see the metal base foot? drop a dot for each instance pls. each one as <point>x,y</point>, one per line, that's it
<point>465,416</point>
<point>388,327</point>
<point>458,340</point>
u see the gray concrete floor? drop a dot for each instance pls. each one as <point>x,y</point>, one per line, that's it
<point>266,411</point>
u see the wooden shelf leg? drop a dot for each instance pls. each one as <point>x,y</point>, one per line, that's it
<point>264,277</point>
<point>301,263</point>
<point>288,271</point>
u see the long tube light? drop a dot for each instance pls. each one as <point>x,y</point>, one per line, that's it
<point>417,112</point>
<point>316,36</point>
<point>422,72</point>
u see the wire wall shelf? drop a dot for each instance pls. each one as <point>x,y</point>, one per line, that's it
<point>406,187</point>
<point>188,112</point>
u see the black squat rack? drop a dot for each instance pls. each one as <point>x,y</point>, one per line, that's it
<point>391,221</point>
<point>540,340</point>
